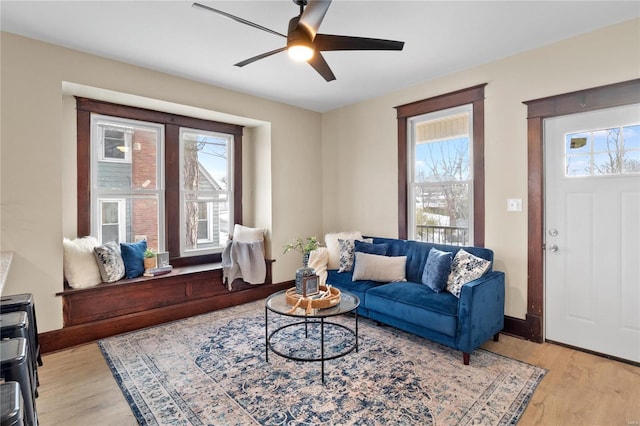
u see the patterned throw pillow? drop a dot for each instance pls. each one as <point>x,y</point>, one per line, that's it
<point>437,269</point>
<point>465,268</point>
<point>333,247</point>
<point>347,248</point>
<point>109,261</point>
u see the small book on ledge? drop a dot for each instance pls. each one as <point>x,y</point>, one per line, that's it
<point>152,272</point>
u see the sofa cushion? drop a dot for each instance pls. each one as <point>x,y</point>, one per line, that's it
<point>244,234</point>
<point>465,268</point>
<point>347,248</point>
<point>417,304</point>
<point>370,248</point>
<point>436,270</point>
<point>331,242</point>
<point>79,263</point>
<point>344,281</point>
<point>109,261</point>
<point>133,258</point>
<point>379,268</point>
<point>418,251</point>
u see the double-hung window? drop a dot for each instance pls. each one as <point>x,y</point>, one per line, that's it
<point>127,181</point>
<point>440,176</point>
<point>441,168</point>
<point>205,190</point>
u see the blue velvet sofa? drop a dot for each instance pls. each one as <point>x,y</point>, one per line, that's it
<point>462,323</point>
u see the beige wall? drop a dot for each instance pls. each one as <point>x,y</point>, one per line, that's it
<point>37,138</point>
<point>310,173</point>
<point>360,165</point>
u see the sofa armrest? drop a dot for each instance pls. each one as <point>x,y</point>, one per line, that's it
<point>480,310</point>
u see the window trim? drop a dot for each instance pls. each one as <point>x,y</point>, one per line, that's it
<point>608,96</point>
<point>472,95</point>
<point>172,124</point>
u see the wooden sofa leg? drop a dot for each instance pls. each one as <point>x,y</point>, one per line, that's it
<point>465,357</point>
<point>496,337</point>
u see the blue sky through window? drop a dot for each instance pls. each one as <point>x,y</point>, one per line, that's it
<point>442,160</point>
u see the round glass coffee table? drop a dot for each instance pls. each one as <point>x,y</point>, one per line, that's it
<point>277,304</point>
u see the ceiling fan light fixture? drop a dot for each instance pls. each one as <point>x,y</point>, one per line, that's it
<point>300,52</point>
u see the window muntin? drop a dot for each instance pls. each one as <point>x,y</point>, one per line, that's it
<point>136,184</point>
<point>205,191</point>
<point>601,152</point>
<point>440,176</point>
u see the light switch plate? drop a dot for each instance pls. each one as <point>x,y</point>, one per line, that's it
<point>514,205</point>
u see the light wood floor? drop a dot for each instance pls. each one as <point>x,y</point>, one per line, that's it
<point>77,388</point>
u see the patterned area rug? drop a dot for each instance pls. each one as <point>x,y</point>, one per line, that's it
<point>211,370</point>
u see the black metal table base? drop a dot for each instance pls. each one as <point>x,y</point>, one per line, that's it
<point>268,336</point>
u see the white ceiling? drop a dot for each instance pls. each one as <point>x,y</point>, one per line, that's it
<point>440,37</point>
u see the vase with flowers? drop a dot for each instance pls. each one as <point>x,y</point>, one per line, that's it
<point>305,247</point>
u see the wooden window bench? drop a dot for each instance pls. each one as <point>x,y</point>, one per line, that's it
<point>129,304</point>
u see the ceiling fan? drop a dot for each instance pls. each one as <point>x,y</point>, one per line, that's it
<point>303,41</point>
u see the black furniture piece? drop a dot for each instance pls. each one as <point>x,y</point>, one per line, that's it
<point>24,302</point>
<point>11,405</point>
<point>16,366</point>
<point>277,303</point>
<point>16,324</point>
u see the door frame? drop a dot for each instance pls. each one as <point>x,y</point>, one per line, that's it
<point>608,96</point>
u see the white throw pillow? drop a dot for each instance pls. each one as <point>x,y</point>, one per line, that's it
<point>374,267</point>
<point>331,242</point>
<point>79,263</point>
<point>244,234</point>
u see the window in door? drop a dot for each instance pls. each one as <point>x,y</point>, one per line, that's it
<point>440,176</point>
<point>611,151</point>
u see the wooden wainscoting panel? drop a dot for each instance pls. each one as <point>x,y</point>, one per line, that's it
<point>82,333</point>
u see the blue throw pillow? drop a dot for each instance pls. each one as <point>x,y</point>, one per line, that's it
<point>370,248</point>
<point>133,258</point>
<point>436,270</point>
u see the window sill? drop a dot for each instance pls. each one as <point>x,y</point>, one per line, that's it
<point>176,272</point>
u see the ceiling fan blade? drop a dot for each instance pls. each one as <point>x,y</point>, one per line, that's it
<point>261,56</point>
<point>313,15</point>
<point>238,19</point>
<point>319,64</point>
<point>325,42</point>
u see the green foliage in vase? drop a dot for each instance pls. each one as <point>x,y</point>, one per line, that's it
<point>303,246</point>
<point>149,254</point>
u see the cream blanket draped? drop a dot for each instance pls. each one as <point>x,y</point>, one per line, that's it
<point>318,260</point>
<point>245,261</point>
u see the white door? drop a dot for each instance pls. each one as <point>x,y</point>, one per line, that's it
<point>592,231</point>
